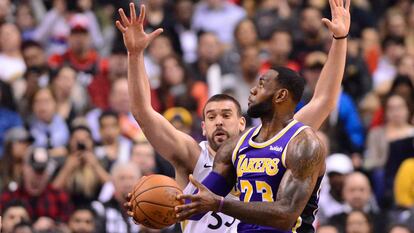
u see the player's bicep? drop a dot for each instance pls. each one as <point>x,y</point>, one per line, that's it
<point>305,162</point>
<point>172,144</point>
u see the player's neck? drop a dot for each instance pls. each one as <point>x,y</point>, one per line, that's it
<point>211,151</point>
<point>272,126</point>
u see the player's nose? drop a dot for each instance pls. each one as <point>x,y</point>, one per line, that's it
<point>219,121</point>
<point>253,90</point>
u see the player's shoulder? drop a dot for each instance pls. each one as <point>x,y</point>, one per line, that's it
<point>306,139</point>
<point>305,148</point>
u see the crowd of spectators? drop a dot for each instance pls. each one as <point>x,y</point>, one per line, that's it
<point>70,150</point>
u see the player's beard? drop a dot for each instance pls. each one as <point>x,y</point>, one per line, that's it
<point>260,109</point>
<point>214,142</point>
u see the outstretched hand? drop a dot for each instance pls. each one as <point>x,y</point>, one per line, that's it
<point>202,202</point>
<point>135,38</point>
<point>341,18</point>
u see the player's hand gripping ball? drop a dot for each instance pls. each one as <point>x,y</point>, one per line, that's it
<point>152,201</point>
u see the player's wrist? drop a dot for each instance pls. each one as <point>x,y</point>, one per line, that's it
<point>219,202</point>
<point>135,53</point>
<point>340,37</point>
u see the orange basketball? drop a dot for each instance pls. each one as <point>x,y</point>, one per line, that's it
<point>153,201</point>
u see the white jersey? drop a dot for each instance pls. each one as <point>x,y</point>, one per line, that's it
<point>211,222</point>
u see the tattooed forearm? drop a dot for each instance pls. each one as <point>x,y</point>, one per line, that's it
<point>305,162</point>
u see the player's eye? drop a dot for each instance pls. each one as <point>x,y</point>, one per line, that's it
<point>261,84</point>
<point>211,117</point>
<point>227,116</point>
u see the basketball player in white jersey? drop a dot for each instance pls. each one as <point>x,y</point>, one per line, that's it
<point>222,116</point>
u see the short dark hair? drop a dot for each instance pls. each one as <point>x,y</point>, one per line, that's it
<point>81,127</point>
<point>401,80</point>
<point>86,207</point>
<point>30,43</point>
<point>201,33</point>
<point>108,113</point>
<point>13,203</point>
<point>282,30</point>
<point>392,40</point>
<point>223,97</point>
<point>290,80</point>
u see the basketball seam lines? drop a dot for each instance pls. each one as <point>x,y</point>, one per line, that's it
<point>137,195</point>
<point>152,218</point>
<point>141,184</point>
<point>154,203</point>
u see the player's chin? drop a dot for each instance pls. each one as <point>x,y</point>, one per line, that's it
<point>220,139</point>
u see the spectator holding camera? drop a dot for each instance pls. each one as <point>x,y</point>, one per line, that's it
<point>81,174</point>
<point>43,201</point>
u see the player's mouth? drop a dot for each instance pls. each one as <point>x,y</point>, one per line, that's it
<point>250,101</point>
<point>220,135</point>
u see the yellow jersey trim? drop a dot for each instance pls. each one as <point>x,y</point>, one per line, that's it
<point>284,151</point>
<point>239,143</point>
<point>297,225</point>
<point>272,140</point>
<point>184,224</point>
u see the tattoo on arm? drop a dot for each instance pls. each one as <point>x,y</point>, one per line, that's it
<point>305,162</point>
<point>223,163</point>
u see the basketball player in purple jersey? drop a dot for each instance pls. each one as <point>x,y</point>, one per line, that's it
<point>219,114</point>
<point>281,161</point>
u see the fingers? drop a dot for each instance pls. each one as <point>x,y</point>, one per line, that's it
<point>188,197</point>
<point>128,197</point>
<point>141,17</point>
<point>120,26</point>
<point>155,33</point>
<point>195,182</point>
<point>128,205</point>
<point>327,23</point>
<point>124,18</point>
<point>347,5</point>
<point>181,208</point>
<point>186,214</point>
<point>332,5</point>
<point>130,213</point>
<point>132,12</point>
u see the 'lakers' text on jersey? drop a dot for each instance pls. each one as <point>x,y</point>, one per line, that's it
<point>260,168</point>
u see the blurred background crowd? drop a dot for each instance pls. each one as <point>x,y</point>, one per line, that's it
<point>70,149</point>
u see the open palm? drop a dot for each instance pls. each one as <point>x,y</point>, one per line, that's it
<point>341,18</point>
<point>135,38</point>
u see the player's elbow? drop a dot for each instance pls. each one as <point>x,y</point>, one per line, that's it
<point>285,222</point>
<point>141,115</point>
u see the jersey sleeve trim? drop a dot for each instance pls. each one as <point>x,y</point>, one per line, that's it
<point>294,135</point>
<point>239,143</point>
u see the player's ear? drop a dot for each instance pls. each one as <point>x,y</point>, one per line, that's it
<point>281,95</point>
<point>242,124</point>
<point>203,127</point>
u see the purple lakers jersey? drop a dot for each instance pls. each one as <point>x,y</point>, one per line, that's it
<point>260,168</point>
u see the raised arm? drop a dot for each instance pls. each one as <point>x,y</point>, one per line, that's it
<point>305,161</point>
<point>177,147</point>
<point>328,87</point>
